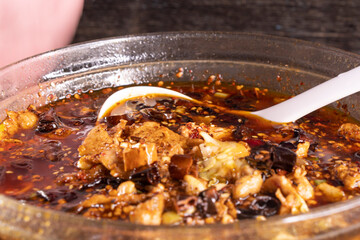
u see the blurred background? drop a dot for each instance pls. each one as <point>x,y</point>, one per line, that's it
<point>31,27</point>
<point>332,22</point>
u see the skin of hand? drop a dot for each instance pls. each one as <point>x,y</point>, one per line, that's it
<point>31,27</point>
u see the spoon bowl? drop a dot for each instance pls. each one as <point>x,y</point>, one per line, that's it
<point>290,110</point>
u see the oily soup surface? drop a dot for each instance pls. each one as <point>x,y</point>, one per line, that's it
<point>172,162</point>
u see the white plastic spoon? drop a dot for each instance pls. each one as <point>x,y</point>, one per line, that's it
<point>290,110</point>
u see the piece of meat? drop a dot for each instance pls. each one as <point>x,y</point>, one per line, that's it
<point>303,186</point>
<point>27,119</point>
<point>167,142</point>
<point>139,155</point>
<point>330,193</point>
<point>114,151</point>
<point>15,121</point>
<point>192,131</point>
<point>291,201</point>
<point>127,187</point>
<point>110,160</point>
<point>97,199</point>
<point>8,128</point>
<point>149,212</point>
<point>96,141</point>
<point>220,133</point>
<point>350,131</point>
<point>349,176</point>
<point>246,185</point>
<point>96,149</point>
<point>302,149</point>
<point>85,162</point>
<point>117,131</point>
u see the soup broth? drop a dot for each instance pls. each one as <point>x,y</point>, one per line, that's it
<point>170,161</point>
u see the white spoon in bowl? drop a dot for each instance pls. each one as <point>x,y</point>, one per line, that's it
<point>290,110</point>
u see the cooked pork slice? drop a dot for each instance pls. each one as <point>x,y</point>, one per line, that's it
<point>291,201</point>
<point>110,160</point>
<point>350,131</point>
<point>16,121</point>
<point>349,176</point>
<point>302,149</point>
<point>117,131</point>
<point>246,185</point>
<point>303,186</point>
<point>166,141</point>
<point>97,140</point>
<point>330,193</point>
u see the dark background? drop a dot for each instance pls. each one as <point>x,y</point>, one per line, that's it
<point>332,22</point>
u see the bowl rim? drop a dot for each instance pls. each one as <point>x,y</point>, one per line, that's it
<point>132,37</point>
<point>317,212</point>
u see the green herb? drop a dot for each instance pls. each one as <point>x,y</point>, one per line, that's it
<point>312,158</point>
<point>319,181</point>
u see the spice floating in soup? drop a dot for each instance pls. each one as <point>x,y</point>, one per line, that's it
<point>171,162</point>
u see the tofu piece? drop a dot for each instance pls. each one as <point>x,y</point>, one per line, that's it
<point>149,212</point>
<point>139,155</point>
<point>194,185</point>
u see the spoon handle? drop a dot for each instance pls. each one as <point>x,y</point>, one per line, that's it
<point>330,91</point>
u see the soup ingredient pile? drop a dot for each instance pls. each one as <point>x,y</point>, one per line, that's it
<point>173,162</point>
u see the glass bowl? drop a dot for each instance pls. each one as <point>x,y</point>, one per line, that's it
<point>249,59</point>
